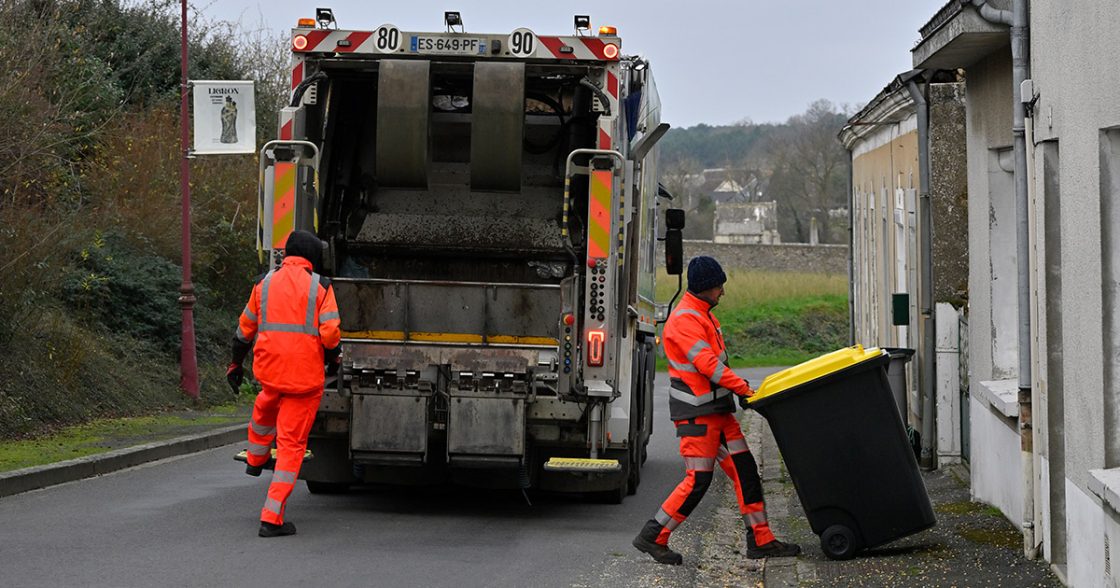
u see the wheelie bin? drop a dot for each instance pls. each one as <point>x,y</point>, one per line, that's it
<point>838,429</point>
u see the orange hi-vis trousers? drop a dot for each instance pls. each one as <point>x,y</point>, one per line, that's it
<point>705,440</point>
<point>287,418</point>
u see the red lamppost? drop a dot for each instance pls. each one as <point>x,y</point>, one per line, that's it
<point>188,362</point>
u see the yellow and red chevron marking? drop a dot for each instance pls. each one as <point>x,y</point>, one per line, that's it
<point>599,213</point>
<point>283,204</point>
<point>284,193</point>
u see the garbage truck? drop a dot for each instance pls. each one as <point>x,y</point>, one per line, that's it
<point>490,208</point>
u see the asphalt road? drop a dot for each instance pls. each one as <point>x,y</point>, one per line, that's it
<point>192,521</point>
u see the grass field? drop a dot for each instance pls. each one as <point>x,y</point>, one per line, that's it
<point>777,318</point>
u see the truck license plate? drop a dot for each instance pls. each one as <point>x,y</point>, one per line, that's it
<point>443,45</point>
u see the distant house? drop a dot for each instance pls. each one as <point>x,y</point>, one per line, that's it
<point>755,222</point>
<point>718,185</point>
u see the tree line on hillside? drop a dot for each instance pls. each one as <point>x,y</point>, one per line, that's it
<point>90,206</point>
<point>800,164</point>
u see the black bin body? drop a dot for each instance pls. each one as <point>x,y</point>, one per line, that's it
<point>846,450</point>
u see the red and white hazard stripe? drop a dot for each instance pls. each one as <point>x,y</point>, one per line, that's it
<point>319,41</point>
<point>576,48</point>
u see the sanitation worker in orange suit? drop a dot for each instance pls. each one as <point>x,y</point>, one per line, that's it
<point>293,317</point>
<point>702,408</point>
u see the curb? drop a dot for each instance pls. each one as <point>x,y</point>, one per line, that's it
<point>778,572</point>
<point>22,480</point>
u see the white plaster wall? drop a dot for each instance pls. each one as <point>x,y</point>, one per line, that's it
<point>1073,49</point>
<point>996,465</point>
<point>1085,528</point>
<point>988,110</point>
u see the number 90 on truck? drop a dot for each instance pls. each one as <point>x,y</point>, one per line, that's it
<point>489,203</point>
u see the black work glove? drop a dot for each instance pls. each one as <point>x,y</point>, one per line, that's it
<point>744,402</point>
<point>332,358</point>
<point>235,375</point>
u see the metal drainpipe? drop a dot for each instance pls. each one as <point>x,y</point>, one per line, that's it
<point>851,251</point>
<point>1019,20</point>
<point>925,294</point>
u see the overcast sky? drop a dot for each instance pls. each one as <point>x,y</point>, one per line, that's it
<point>715,61</point>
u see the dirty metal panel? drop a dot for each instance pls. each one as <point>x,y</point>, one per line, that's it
<point>498,119</point>
<point>460,232</point>
<point>453,310</point>
<point>390,423</point>
<point>370,307</point>
<point>524,312</point>
<point>449,312</point>
<point>500,360</point>
<point>391,356</point>
<point>486,426</point>
<point>403,91</point>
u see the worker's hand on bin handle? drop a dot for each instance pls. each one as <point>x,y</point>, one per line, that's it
<point>332,367</point>
<point>235,375</point>
<point>744,398</point>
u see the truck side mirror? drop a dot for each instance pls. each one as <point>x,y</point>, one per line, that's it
<point>674,244</point>
<point>674,219</point>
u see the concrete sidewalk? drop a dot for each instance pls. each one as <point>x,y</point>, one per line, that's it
<point>971,545</point>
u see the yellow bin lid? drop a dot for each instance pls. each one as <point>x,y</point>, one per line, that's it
<point>813,369</point>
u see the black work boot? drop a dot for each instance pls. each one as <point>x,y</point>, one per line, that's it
<point>271,530</point>
<point>774,548</point>
<point>646,542</point>
<point>253,470</point>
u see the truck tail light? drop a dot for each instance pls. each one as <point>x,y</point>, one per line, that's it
<point>596,344</point>
<point>299,43</point>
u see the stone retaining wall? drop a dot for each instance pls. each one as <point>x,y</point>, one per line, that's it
<point>786,257</point>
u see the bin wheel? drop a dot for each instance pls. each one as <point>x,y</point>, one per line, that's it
<point>839,542</point>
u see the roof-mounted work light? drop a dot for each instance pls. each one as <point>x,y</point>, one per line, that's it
<point>453,19</point>
<point>325,16</point>
<point>583,23</point>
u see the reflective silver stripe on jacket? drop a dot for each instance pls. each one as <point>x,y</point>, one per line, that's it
<point>722,453</point>
<point>309,326</point>
<point>258,449</point>
<point>665,520</point>
<point>273,506</point>
<point>735,446</point>
<point>697,348</point>
<point>240,337</point>
<point>284,477</point>
<point>755,518</point>
<point>682,367</point>
<point>688,311</point>
<point>697,400</point>
<point>261,429</point>
<point>717,375</point>
<point>249,314</point>
<point>328,316</point>
<point>700,464</point>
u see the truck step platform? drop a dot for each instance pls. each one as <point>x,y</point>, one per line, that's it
<point>582,465</point>
<point>271,463</point>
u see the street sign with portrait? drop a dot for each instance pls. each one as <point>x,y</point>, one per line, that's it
<point>224,117</point>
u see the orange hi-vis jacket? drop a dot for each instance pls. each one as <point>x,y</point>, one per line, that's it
<point>701,382</point>
<point>293,315</point>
